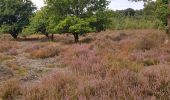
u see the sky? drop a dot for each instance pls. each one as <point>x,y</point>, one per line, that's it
<point>115,4</point>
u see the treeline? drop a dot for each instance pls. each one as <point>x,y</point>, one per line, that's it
<point>137,19</point>
<point>77,17</point>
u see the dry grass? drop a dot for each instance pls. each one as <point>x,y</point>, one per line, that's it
<point>150,40</point>
<point>60,86</point>
<point>43,51</point>
<point>16,68</point>
<point>4,57</point>
<point>6,46</point>
<point>10,90</point>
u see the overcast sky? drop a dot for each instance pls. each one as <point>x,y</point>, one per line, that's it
<point>115,4</point>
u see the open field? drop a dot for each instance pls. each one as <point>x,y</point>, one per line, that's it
<point>110,65</point>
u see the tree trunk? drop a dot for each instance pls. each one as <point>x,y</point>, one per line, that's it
<point>168,27</point>
<point>46,34</point>
<point>52,37</point>
<point>168,23</point>
<point>14,35</point>
<point>76,37</point>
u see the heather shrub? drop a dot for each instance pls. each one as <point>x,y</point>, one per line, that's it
<point>119,37</point>
<point>10,90</point>
<point>150,41</point>
<point>16,68</point>
<point>150,57</point>
<point>94,89</point>
<point>122,85</point>
<point>149,62</point>
<point>83,60</point>
<point>104,69</point>
<point>45,52</point>
<point>155,81</point>
<point>146,44</point>
<point>4,57</point>
<point>35,46</point>
<point>116,63</point>
<point>5,46</point>
<point>149,83</point>
<point>13,52</point>
<point>56,86</point>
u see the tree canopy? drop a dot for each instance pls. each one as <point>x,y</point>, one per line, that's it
<point>14,15</point>
<point>73,14</point>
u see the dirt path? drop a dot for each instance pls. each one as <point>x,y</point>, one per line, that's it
<point>26,68</point>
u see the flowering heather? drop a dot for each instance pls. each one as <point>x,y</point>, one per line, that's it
<point>45,50</point>
<point>111,65</point>
<point>6,46</point>
<point>83,60</point>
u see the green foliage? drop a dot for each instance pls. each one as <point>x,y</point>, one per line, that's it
<point>81,8</point>
<point>162,10</point>
<point>38,23</point>
<point>73,24</point>
<point>14,15</point>
<point>76,14</point>
<point>100,21</point>
<point>159,9</point>
<point>149,9</point>
<point>123,23</point>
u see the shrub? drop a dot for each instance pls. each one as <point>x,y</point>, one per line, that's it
<point>44,52</point>
<point>149,62</point>
<point>36,46</point>
<point>13,52</point>
<point>155,82</point>
<point>82,60</point>
<point>10,90</point>
<point>6,46</point>
<point>150,41</point>
<point>4,57</point>
<point>124,23</point>
<point>56,86</point>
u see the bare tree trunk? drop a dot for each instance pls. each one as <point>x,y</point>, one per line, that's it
<point>168,23</point>
<point>52,37</point>
<point>76,37</point>
<point>168,27</point>
<point>14,35</point>
<point>47,35</point>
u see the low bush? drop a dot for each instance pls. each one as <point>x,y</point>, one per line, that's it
<point>10,90</point>
<point>83,60</point>
<point>6,46</point>
<point>150,83</point>
<point>150,41</point>
<point>43,52</point>
<point>13,52</point>
<point>56,86</point>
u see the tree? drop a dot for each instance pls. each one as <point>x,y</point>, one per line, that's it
<point>74,25</point>
<point>162,11</point>
<point>38,23</point>
<point>149,9</point>
<point>14,15</point>
<point>79,10</point>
